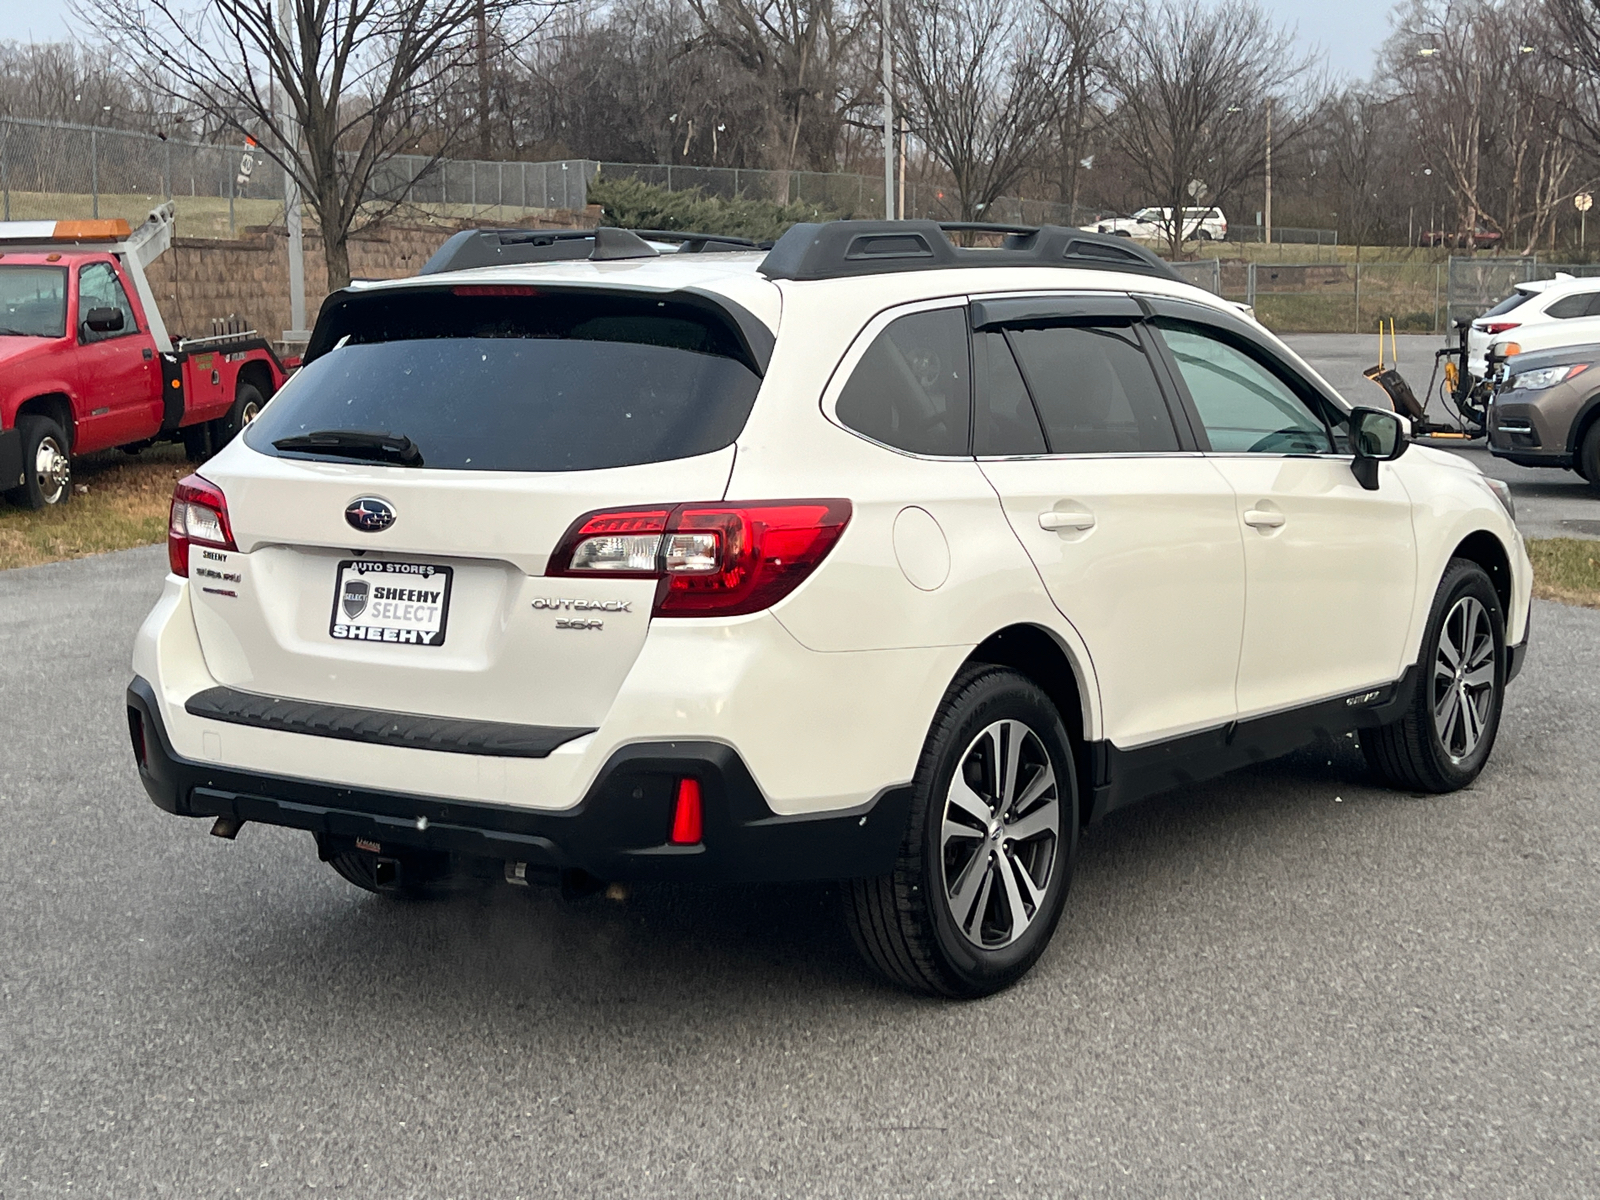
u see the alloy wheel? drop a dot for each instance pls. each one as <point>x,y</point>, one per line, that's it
<point>53,469</point>
<point>1464,678</point>
<point>1000,834</point>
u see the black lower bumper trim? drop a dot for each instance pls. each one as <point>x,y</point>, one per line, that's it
<point>619,831</point>
<point>11,472</point>
<point>499,738</point>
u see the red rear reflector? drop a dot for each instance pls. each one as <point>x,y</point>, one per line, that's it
<point>199,517</point>
<point>686,817</point>
<point>493,289</point>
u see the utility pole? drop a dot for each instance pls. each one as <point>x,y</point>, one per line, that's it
<point>297,331</point>
<point>888,113</point>
<point>1267,210</point>
<point>900,195</point>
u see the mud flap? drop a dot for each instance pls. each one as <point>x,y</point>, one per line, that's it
<point>172,398</point>
<point>11,473</point>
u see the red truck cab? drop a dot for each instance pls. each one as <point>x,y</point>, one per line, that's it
<point>86,362</point>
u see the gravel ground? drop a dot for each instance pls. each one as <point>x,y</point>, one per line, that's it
<point>1285,983</point>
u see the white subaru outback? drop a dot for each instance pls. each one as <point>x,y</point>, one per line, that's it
<point>872,558</point>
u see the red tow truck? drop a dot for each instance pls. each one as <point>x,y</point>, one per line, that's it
<point>86,362</point>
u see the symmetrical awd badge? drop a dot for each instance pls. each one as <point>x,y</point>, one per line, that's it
<point>369,514</point>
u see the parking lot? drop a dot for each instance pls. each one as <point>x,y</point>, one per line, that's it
<point>1284,983</point>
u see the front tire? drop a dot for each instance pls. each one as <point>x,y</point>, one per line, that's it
<point>1588,457</point>
<point>990,844</point>
<point>47,459</point>
<point>1444,740</point>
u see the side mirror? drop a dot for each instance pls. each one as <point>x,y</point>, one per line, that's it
<point>1376,435</point>
<point>104,320</point>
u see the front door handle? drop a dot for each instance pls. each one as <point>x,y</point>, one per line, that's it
<point>1260,518</point>
<point>1066,520</point>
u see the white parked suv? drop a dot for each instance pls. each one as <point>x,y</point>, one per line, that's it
<point>870,559</point>
<point>1538,315</point>
<point>1199,224</point>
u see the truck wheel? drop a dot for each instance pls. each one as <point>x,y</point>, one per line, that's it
<point>48,464</point>
<point>247,402</point>
<point>988,852</point>
<point>1588,458</point>
<point>1442,743</point>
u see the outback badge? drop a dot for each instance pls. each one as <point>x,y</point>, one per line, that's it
<point>369,514</point>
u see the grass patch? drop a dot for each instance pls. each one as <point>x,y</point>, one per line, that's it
<point>126,505</point>
<point>1566,570</point>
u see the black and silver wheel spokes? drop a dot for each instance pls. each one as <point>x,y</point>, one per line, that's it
<point>1464,678</point>
<point>1002,825</point>
<point>53,469</point>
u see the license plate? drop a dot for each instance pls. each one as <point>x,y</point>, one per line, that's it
<point>398,602</point>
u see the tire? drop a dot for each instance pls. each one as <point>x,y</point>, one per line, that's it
<point>1443,741</point>
<point>937,923</point>
<point>48,461</point>
<point>1587,460</point>
<point>408,874</point>
<point>1204,235</point>
<point>247,403</point>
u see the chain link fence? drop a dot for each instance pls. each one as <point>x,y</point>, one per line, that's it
<point>61,172</point>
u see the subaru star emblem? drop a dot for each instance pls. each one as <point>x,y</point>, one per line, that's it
<point>369,515</point>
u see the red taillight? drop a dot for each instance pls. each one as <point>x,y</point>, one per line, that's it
<point>199,517</point>
<point>1499,326</point>
<point>686,816</point>
<point>713,560</point>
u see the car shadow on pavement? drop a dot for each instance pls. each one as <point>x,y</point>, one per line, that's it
<point>662,947</point>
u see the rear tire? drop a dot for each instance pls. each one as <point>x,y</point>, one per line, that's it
<point>1444,740</point>
<point>247,403</point>
<point>405,873</point>
<point>47,460</point>
<point>990,843</point>
<point>1587,459</point>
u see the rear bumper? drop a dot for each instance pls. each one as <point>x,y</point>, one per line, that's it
<point>617,832</point>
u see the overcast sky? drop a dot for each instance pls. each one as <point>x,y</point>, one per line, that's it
<point>1344,32</point>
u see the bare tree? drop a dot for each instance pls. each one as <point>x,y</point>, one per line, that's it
<point>1190,88</point>
<point>793,50</point>
<point>1087,30</point>
<point>331,89</point>
<point>983,78</point>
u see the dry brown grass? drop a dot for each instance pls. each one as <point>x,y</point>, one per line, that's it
<point>126,505</point>
<point>1566,570</point>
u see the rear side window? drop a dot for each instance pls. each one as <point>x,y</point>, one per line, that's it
<point>543,382</point>
<point>911,389</point>
<point>1006,422</point>
<point>1580,304</point>
<point>1094,389</point>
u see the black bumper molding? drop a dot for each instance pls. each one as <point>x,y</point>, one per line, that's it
<point>619,831</point>
<point>500,738</point>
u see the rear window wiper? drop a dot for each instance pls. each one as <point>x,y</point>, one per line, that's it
<point>355,443</point>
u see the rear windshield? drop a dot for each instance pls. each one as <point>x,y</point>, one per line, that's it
<point>540,382</point>
<point>1508,304</point>
<point>33,302</point>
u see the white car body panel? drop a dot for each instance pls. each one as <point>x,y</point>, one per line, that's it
<point>1535,328</point>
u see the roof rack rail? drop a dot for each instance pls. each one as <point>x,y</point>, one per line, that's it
<point>842,249</point>
<point>701,243</point>
<point>494,247</point>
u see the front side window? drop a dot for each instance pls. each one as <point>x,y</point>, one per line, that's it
<point>911,389</point>
<point>99,287</point>
<point>1094,389</point>
<point>33,302</point>
<point>1242,406</point>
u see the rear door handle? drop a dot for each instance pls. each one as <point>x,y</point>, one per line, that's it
<point>1066,520</point>
<point>1260,518</point>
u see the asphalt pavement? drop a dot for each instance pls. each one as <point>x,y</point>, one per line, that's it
<point>1550,502</point>
<point>1284,983</point>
